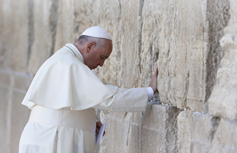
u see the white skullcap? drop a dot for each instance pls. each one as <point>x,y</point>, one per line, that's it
<point>97,32</point>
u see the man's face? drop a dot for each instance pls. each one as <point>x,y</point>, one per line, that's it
<point>97,54</point>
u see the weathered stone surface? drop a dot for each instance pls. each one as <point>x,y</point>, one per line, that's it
<point>218,17</point>
<point>180,46</point>
<point>19,117</point>
<point>133,140</point>
<point>4,98</point>
<point>223,100</point>
<point>151,141</point>
<point>5,78</point>
<point>159,129</point>
<point>22,82</point>
<point>1,34</point>
<point>190,39</point>
<point>65,23</point>
<point>15,43</point>
<point>44,20</point>
<point>225,138</point>
<point>116,142</point>
<point>196,131</point>
<point>125,59</point>
<point>83,12</point>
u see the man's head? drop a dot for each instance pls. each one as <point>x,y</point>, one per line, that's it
<point>95,46</point>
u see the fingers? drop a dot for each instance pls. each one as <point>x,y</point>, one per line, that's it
<point>98,124</point>
<point>97,131</point>
<point>155,69</point>
<point>153,83</point>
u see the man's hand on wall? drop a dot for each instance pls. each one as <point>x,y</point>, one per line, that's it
<point>98,125</point>
<point>153,83</point>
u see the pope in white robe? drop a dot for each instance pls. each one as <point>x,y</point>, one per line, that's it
<point>65,92</point>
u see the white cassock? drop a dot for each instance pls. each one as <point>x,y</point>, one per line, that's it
<point>62,97</point>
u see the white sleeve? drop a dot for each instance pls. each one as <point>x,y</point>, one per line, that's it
<point>126,100</point>
<point>150,93</point>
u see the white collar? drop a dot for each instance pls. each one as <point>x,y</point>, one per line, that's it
<point>75,51</point>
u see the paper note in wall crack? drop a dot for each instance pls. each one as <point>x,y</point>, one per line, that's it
<point>100,135</point>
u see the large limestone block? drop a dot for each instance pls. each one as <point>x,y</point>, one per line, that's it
<point>182,47</point>
<point>4,98</point>
<point>22,82</point>
<point>121,20</point>
<point>223,100</point>
<point>175,32</point>
<point>5,78</point>
<point>159,129</point>
<point>196,131</point>
<point>218,17</point>
<point>1,33</point>
<point>120,135</point>
<point>133,140</point>
<point>84,16</point>
<point>225,139</point>
<point>43,29</point>
<point>153,16</point>
<point>65,23</point>
<point>151,141</point>
<point>14,43</point>
<point>18,118</point>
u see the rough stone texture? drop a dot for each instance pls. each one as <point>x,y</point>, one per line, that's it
<point>218,17</point>
<point>19,117</point>
<point>156,132</point>
<point>15,24</point>
<point>43,22</point>
<point>125,58</point>
<point>13,116</point>
<point>223,100</point>
<point>121,127</point>
<point>225,139</point>
<point>204,133</point>
<point>195,131</point>
<point>159,129</point>
<point>193,42</point>
<point>182,47</point>
<point>3,118</point>
<point>65,22</point>
<point>1,33</point>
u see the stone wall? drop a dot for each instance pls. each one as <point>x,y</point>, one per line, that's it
<point>193,42</point>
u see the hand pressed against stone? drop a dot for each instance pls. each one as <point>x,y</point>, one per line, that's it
<point>153,83</point>
<point>98,125</point>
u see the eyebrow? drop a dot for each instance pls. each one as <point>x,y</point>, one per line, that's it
<point>104,56</point>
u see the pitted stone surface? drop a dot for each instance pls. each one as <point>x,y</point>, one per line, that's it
<point>223,100</point>
<point>14,42</point>
<point>42,33</point>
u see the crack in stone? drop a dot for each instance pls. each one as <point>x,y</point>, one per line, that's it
<point>215,123</point>
<point>186,90</point>
<point>141,4</point>
<point>172,128</point>
<point>31,34</point>
<point>53,18</point>
<point>217,23</point>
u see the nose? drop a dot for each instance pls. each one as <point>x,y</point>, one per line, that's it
<point>102,63</point>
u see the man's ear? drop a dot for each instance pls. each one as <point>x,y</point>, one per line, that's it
<point>90,47</point>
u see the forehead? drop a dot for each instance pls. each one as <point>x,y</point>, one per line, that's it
<point>106,49</point>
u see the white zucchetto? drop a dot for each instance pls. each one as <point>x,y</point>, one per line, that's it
<point>97,31</point>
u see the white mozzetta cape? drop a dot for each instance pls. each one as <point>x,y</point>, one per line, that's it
<point>65,81</point>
